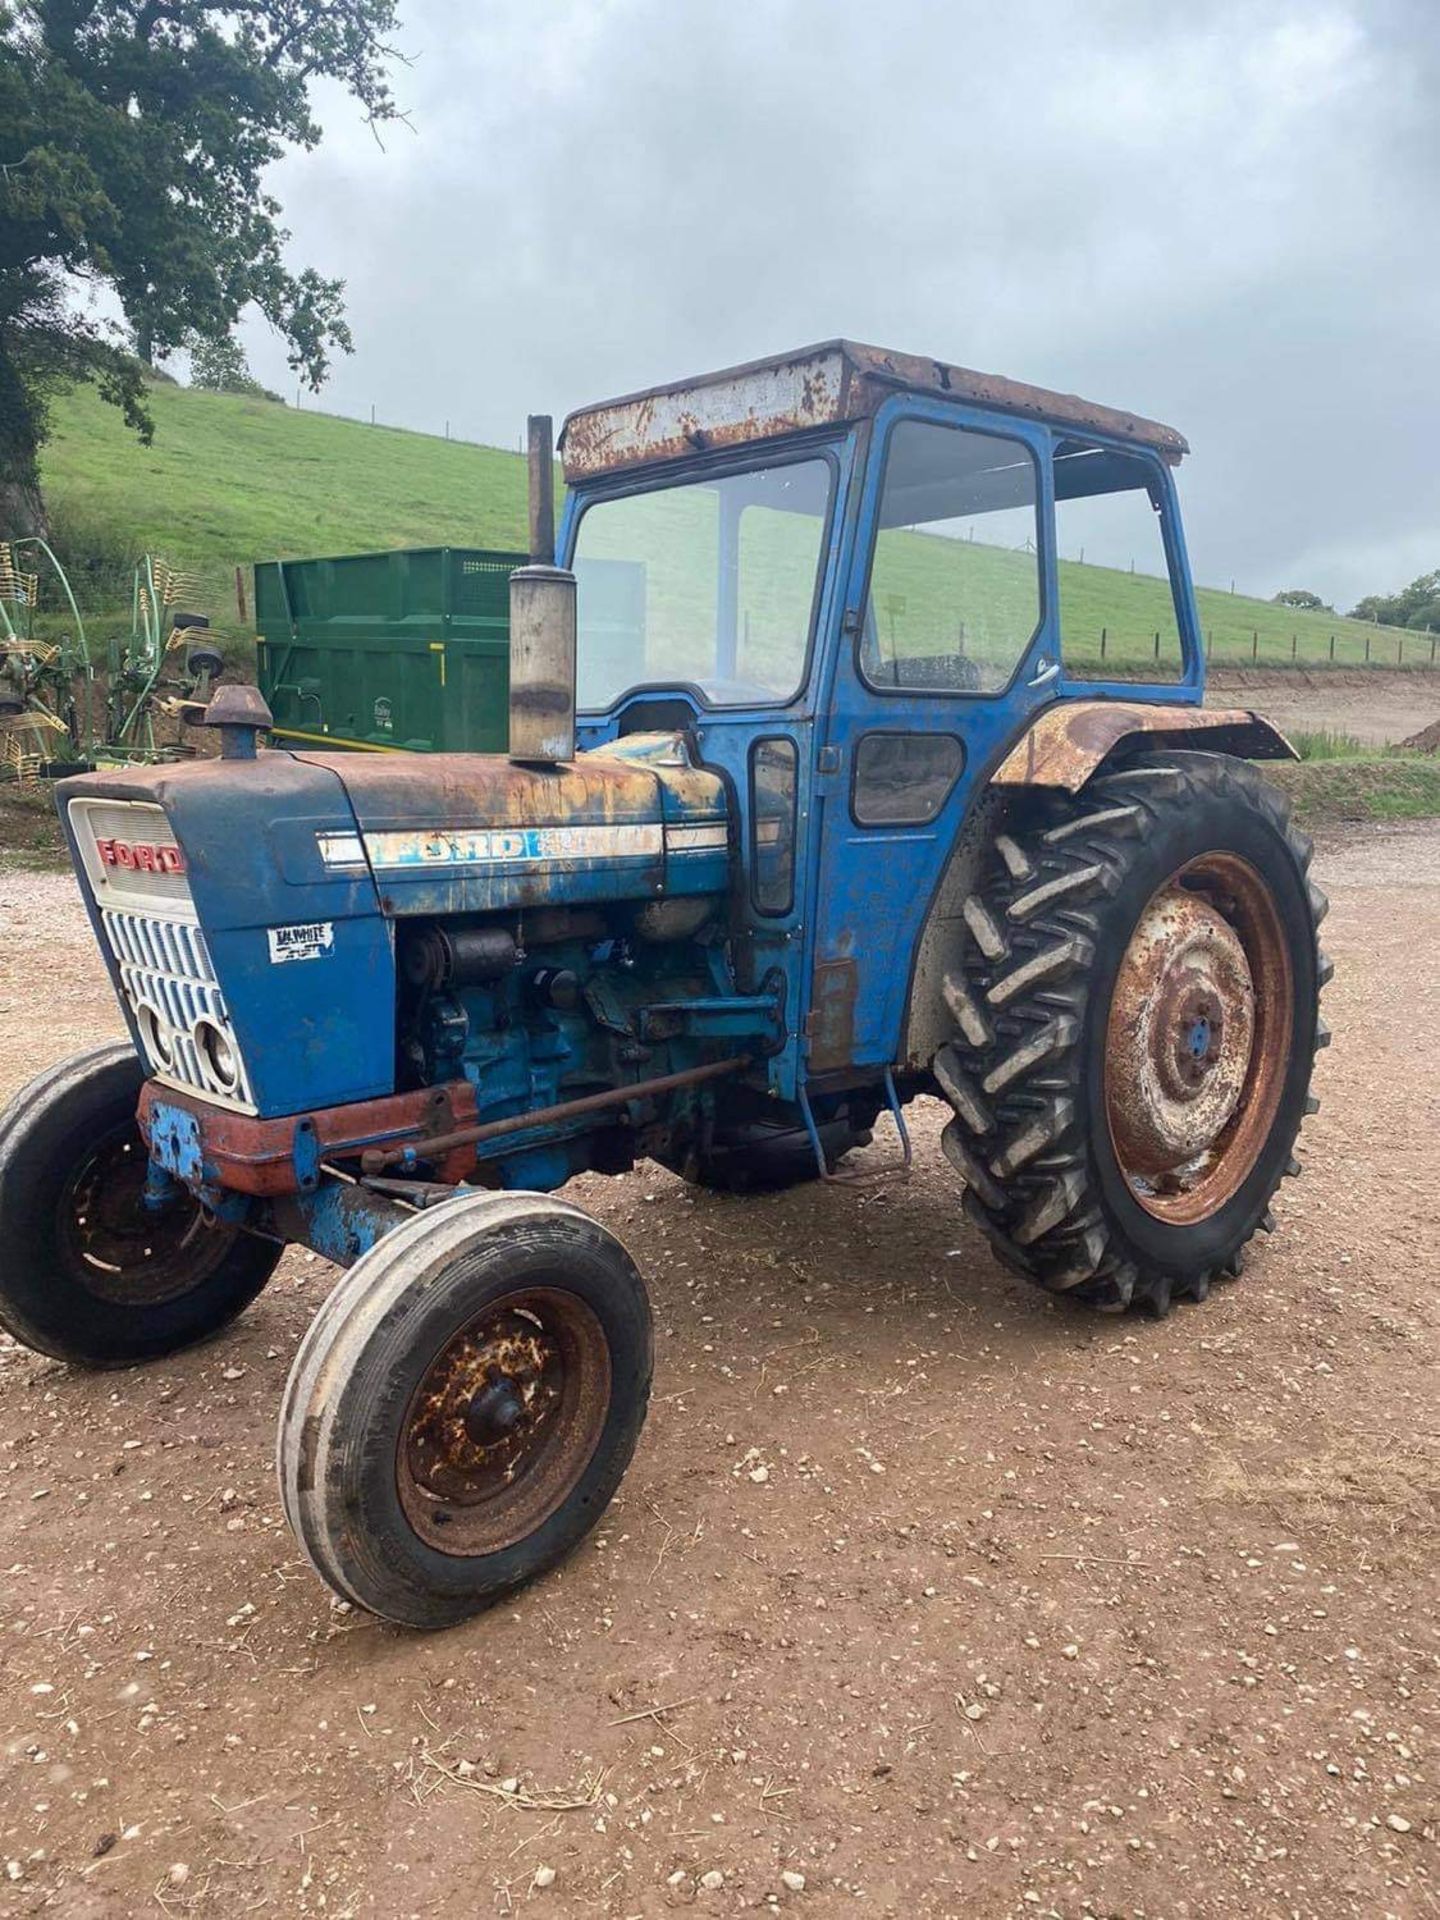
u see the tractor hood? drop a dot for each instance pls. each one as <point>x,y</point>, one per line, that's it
<point>473,833</point>
<point>304,836</point>
<point>207,880</point>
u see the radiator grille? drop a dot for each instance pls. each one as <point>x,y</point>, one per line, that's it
<point>166,975</point>
<point>165,972</point>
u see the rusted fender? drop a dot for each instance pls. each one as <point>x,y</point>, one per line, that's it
<point>1068,742</point>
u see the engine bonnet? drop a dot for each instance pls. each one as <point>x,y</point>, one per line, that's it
<point>471,833</point>
<point>247,885</point>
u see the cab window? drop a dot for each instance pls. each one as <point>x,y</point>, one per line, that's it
<point>954,598</point>
<point>1118,606</point>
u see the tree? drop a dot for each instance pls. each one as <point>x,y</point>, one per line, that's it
<point>1417,605</point>
<point>1303,598</point>
<point>134,135</point>
<point>220,366</point>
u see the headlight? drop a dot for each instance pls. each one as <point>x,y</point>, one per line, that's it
<point>219,1062</point>
<point>155,1035</point>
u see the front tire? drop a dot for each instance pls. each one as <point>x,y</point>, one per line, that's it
<point>1136,1021</point>
<point>464,1405</point>
<point>86,1273</point>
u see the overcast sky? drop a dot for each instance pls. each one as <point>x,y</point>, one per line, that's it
<point>1222,214</point>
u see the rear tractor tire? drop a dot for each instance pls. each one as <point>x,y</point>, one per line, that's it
<point>464,1405</point>
<point>88,1273</point>
<point>1136,1020</point>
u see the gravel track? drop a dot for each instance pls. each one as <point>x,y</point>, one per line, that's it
<point>1027,1613</point>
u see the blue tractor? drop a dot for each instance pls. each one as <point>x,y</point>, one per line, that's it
<point>812,805</point>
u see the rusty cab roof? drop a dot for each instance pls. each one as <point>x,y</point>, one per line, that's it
<point>820,386</point>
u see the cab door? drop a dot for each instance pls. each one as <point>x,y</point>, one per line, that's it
<point>946,645</point>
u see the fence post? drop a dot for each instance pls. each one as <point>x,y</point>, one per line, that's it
<point>1157,643</point>
<point>1432,649</point>
<point>1209,642</point>
<point>1294,639</point>
<point>1104,631</point>
<point>1332,649</point>
<point>1400,652</point>
<point>1367,649</point>
<point>1254,643</point>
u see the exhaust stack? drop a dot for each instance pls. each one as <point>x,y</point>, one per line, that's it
<point>542,625</point>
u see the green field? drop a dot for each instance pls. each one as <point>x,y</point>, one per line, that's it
<point>230,480</point>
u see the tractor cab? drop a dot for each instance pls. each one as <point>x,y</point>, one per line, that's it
<point>837,574</point>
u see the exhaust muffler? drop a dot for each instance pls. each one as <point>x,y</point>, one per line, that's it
<point>542,625</point>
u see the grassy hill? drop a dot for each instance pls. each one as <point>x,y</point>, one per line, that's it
<point>230,480</point>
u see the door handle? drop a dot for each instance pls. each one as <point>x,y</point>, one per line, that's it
<point>1048,670</point>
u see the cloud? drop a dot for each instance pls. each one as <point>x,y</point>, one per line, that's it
<point>1221,215</point>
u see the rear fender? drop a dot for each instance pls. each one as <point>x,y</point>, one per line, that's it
<point>1067,744</point>
<point>1061,750</point>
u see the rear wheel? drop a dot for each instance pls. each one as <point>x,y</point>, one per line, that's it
<point>88,1272</point>
<point>465,1405</point>
<point>1136,1020</point>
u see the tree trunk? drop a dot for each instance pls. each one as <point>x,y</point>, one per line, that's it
<point>22,510</point>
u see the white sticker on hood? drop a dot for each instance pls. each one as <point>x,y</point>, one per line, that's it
<point>312,941</point>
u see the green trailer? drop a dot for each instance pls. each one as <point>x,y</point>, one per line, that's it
<point>388,650</point>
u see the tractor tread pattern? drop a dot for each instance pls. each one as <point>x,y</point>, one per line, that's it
<point>1036,923</point>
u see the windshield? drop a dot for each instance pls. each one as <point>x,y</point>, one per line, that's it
<point>711,583</point>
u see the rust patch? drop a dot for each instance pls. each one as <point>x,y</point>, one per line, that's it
<point>1199,1038</point>
<point>1181,1033</point>
<point>758,401</point>
<point>504,1422</point>
<point>830,1026</point>
<point>823,385</point>
<point>247,1155</point>
<point>487,790</point>
<point>1069,740</point>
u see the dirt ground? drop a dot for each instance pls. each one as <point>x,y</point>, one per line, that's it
<point>1379,706</point>
<point>1027,1613</point>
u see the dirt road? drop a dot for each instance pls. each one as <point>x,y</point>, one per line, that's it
<point>1027,1613</point>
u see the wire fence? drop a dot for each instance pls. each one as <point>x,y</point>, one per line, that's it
<point>1122,647</point>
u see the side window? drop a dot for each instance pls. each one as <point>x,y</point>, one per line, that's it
<point>774,770</point>
<point>904,779</point>
<point>1117,601</point>
<point>954,596</point>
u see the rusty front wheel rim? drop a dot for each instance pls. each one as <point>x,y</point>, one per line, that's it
<point>504,1422</point>
<point>1199,1038</point>
<point>117,1250</point>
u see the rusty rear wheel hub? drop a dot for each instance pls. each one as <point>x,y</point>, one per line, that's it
<point>504,1422</point>
<point>1199,1038</point>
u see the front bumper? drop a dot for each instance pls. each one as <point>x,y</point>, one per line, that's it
<point>213,1149</point>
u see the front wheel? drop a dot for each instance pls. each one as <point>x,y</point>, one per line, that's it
<point>1136,1021</point>
<point>88,1272</point>
<point>465,1405</point>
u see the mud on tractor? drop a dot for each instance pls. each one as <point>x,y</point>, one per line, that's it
<point>803,816</point>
